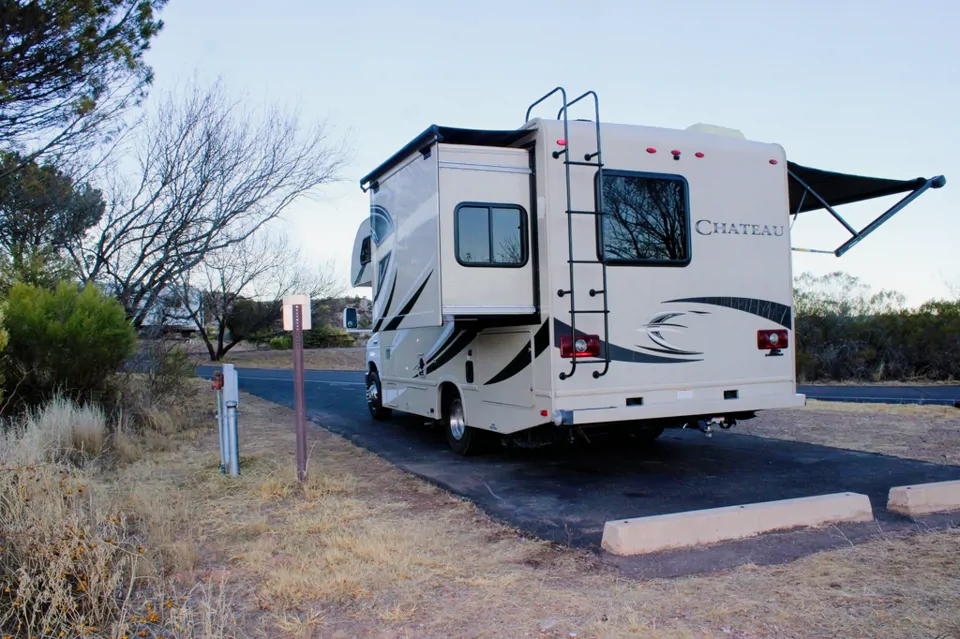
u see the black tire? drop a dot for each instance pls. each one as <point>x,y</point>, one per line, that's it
<point>462,439</point>
<point>375,398</point>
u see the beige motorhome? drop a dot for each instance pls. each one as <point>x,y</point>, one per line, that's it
<point>570,275</point>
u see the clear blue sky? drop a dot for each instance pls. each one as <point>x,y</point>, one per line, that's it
<point>869,87</point>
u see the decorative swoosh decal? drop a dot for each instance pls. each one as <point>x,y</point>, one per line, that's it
<point>618,353</point>
<point>655,329</point>
<point>386,307</point>
<point>395,322</point>
<point>773,311</point>
<point>460,342</point>
<point>522,359</point>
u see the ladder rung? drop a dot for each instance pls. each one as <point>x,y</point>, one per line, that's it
<point>584,213</point>
<point>577,163</point>
<point>591,312</point>
<point>584,262</point>
<point>591,361</point>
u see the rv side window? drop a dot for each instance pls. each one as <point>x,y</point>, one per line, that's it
<point>365,250</point>
<point>490,234</point>
<point>646,219</point>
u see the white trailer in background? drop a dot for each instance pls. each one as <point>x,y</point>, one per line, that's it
<point>570,275</point>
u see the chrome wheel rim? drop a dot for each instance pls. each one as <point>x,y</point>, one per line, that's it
<point>457,426</point>
<point>372,393</point>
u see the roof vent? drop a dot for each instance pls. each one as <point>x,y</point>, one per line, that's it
<point>713,129</point>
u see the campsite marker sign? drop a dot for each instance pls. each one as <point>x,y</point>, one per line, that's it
<point>296,318</point>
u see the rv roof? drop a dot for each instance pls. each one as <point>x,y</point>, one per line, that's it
<point>450,135</point>
<point>810,189</point>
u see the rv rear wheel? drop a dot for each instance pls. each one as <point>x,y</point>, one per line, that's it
<point>461,438</point>
<point>375,397</point>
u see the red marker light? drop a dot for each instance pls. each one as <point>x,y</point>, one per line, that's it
<point>773,161</point>
<point>698,154</point>
<point>650,149</point>
<point>544,413</point>
<point>675,152</point>
<point>562,142</point>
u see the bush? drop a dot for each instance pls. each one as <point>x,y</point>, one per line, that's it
<point>281,342</point>
<point>327,337</point>
<point>846,332</point>
<point>67,341</point>
<point>65,556</point>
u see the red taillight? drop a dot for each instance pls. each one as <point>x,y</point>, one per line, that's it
<point>583,346</point>
<point>770,340</point>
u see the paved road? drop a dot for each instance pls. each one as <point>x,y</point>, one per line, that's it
<point>565,494</point>
<point>893,394</point>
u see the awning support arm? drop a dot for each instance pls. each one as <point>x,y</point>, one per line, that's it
<point>827,206</point>
<point>934,182</point>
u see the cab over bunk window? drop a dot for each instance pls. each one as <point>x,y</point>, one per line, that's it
<point>646,219</point>
<point>490,235</point>
<point>365,250</point>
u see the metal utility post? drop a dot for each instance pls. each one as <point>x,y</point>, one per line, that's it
<point>298,392</point>
<point>296,318</point>
<point>233,445</point>
<point>221,419</point>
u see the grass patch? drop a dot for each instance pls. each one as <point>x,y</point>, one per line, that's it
<point>363,549</point>
<point>334,359</point>
<point>926,433</point>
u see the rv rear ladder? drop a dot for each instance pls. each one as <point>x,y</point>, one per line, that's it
<point>570,211</point>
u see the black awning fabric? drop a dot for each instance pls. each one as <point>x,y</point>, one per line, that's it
<point>840,188</point>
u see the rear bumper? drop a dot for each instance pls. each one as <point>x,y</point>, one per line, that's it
<point>706,401</point>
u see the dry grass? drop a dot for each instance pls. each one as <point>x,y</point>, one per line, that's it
<point>926,433</point>
<point>75,558</point>
<point>334,359</point>
<point>366,550</point>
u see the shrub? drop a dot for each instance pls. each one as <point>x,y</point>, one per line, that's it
<point>327,337</point>
<point>281,342</point>
<point>68,340</point>
<point>64,555</point>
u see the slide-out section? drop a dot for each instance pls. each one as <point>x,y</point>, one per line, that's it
<point>486,231</point>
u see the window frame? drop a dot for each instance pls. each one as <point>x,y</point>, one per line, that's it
<point>688,240</point>
<point>524,233</point>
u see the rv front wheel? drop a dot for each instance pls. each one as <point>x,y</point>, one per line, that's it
<point>375,397</point>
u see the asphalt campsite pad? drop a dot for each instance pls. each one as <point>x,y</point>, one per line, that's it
<point>566,493</point>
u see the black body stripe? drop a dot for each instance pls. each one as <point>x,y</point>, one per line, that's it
<point>463,339</point>
<point>773,311</point>
<point>617,353</point>
<point>395,322</point>
<point>386,308</point>
<point>522,359</point>
<point>450,338</point>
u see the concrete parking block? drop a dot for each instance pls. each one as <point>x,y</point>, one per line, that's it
<point>922,499</point>
<point>698,527</point>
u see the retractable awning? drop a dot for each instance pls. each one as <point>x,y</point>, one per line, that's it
<point>816,189</point>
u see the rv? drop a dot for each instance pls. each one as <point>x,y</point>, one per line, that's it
<point>572,275</point>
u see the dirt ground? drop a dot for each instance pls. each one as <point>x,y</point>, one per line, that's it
<point>365,550</point>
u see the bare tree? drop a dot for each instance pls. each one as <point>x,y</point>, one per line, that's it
<point>209,175</point>
<point>261,269</point>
